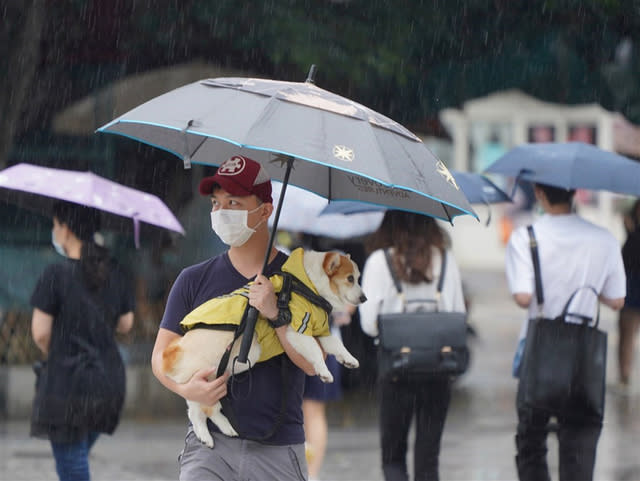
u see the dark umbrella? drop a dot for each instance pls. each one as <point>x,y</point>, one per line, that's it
<point>570,165</point>
<point>324,143</point>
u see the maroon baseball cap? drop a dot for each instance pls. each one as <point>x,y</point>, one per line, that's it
<point>241,176</point>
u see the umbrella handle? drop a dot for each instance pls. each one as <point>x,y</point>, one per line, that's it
<point>247,336</point>
<point>252,314</point>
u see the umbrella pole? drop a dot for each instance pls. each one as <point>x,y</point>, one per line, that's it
<point>252,314</point>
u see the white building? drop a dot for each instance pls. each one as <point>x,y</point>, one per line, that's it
<point>485,128</point>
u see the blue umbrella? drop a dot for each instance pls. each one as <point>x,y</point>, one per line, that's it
<point>570,165</point>
<point>477,188</point>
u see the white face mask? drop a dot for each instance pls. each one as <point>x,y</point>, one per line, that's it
<point>59,249</point>
<point>231,226</point>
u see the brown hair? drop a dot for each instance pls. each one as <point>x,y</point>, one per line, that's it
<point>412,236</point>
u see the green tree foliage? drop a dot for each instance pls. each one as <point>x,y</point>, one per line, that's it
<point>406,58</point>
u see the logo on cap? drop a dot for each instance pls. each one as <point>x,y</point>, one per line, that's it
<point>232,166</point>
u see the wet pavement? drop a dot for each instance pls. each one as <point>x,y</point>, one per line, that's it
<point>477,443</point>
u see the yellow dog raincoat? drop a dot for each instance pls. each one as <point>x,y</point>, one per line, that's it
<point>306,316</point>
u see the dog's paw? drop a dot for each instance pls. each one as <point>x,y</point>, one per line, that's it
<point>325,375</point>
<point>225,426</point>
<point>203,434</point>
<point>348,361</point>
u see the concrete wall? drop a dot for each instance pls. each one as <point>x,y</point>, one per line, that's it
<point>146,397</point>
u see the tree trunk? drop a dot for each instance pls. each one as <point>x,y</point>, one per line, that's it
<point>21,63</point>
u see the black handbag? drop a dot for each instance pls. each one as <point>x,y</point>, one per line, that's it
<point>421,344</point>
<point>564,363</point>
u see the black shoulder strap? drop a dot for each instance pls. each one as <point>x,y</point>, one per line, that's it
<point>533,244</point>
<point>291,283</point>
<point>396,282</point>
<point>443,269</point>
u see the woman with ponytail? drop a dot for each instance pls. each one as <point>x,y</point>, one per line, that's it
<point>79,304</point>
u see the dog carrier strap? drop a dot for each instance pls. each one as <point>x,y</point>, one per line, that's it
<point>224,360</point>
<point>228,410</point>
<point>290,284</point>
<point>293,284</point>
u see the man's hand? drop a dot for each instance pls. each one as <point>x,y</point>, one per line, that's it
<point>199,389</point>
<point>262,296</point>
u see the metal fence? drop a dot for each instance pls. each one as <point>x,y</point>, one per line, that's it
<point>17,345</point>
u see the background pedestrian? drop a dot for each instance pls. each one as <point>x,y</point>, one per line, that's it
<point>79,304</point>
<point>629,319</point>
<point>417,244</point>
<point>573,253</point>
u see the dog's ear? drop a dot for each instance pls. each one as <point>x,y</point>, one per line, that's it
<point>331,263</point>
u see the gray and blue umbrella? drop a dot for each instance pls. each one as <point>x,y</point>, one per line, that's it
<point>338,148</point>
<point>570,165</point>
<point>476,187</point>
<point>305,136</point>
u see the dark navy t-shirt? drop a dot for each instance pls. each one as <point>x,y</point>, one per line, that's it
<point>256,395</point>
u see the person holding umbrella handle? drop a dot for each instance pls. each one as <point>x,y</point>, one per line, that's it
<point>265,401</point>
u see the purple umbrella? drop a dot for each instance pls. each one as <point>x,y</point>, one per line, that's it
<point>33,187</point>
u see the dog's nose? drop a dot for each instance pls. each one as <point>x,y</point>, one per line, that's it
<point>363,298</point>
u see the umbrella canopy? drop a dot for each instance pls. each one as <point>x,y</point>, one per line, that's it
<point>570,165</point>
<point>329,145</point>
<point>301,212</point>
<point>476,187</point>
<point>341,149</point>
<point>33,187</point>
<point>479,189</point>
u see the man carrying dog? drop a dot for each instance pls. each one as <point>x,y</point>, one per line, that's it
<point>267,400</point>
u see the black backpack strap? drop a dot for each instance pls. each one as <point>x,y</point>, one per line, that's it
<point>396,282</point>
<point>443,268</point>
<point>533,244</point>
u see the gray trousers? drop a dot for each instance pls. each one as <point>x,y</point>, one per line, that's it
<point>236,459</point>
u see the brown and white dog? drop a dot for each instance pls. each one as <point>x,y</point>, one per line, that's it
<point>335,277</point>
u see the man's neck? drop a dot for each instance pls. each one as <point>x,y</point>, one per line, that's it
<point>558,209</point>
<point>248,258</point>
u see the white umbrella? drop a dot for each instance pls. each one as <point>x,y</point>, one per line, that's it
<point>301,212</point>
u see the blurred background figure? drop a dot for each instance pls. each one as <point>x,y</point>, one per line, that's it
<point>79,304</point>
<point>314,403</point>
<point>416,244</point>
<point>629,319</point>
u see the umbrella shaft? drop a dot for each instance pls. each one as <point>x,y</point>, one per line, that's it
<point>252,315</point>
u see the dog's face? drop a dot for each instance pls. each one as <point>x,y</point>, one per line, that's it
<point>344,277</point>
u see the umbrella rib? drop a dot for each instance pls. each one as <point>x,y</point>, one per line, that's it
<point>204,139</point>
<point>446,211</point>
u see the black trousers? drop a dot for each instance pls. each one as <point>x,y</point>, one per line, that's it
<point>399,401</point>
<point>577,440</point>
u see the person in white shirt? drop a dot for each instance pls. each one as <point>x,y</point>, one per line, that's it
<point>416,244</point>
<point>573,253</point>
